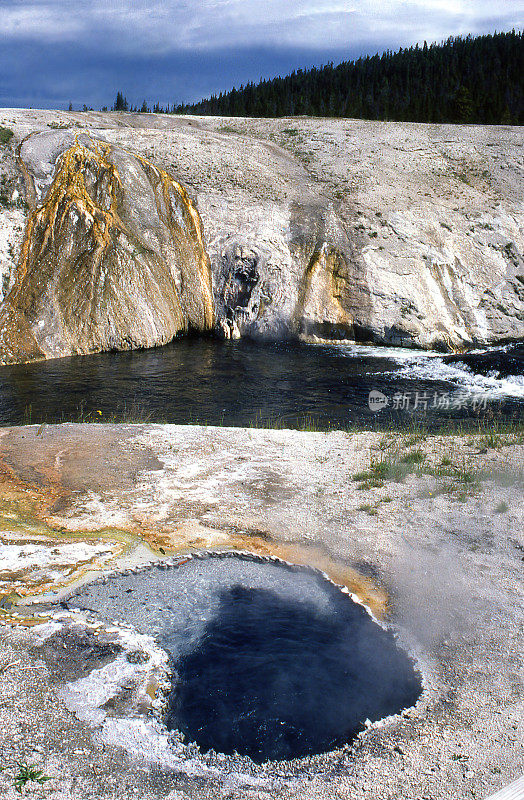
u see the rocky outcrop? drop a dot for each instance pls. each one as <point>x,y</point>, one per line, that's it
<point>113,256</point>
<point>296,283</point>
<point>390,233</point>
<point>387,233</point>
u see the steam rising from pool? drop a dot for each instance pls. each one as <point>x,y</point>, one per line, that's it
<point>269,660</point>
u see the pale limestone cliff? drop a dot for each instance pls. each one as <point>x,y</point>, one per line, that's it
<point>392,233</point>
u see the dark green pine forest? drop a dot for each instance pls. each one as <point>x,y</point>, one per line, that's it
<point>473,79</point>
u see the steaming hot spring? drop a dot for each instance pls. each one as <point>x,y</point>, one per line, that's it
<point>269,660</point>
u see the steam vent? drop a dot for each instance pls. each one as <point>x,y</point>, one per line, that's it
<point>113,256</point>
<point>269,660</point>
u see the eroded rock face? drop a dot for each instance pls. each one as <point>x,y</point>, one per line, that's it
<point>296,273</point>
<point>322,274</point>
<point>113,256</point>
<point>391,233</point>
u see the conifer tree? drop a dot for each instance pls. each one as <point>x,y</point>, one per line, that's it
<point>121,103</point>
<point>472,79</point>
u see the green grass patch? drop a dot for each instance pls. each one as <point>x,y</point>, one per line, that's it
<point>369,509</point>
<point>372,508</point>
<point>492,440</point>
<point>413,457</point>
<point>380,471</point>
<point>370,483</point>
<point>6,134</point>
<point>454,476</point>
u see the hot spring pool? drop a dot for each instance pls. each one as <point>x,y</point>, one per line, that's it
<point>269,660</point>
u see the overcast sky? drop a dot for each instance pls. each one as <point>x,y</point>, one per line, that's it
<point>56,51</point>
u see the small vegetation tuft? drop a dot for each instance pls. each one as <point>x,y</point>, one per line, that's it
<point>6,134</point>
<point>414,457</point>
<point>387,468</point>
<point>61,126</point>
<point>28,773</point>
<point>369,509</point>
<point>455,473</point>
<point>372,508</point>
<point>491,440</point>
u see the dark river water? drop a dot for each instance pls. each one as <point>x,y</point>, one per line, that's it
<point>288,384</point>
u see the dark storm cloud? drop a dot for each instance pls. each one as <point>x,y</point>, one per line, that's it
<point>54,51</point>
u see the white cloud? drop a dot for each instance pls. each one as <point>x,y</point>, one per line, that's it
<point>163,26</point>
<point>37,21</point>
